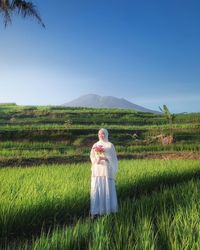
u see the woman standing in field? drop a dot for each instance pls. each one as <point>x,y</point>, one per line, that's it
<point>104,168</point>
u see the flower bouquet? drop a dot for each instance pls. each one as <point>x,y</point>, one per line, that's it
<point>99,150</point>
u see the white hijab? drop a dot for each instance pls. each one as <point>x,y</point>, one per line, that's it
<point>111,153</point>
<point>105,131</point>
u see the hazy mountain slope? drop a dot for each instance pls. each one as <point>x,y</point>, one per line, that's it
<point>96,101</point>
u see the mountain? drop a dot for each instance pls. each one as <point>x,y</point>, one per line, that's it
<point>96,101</point>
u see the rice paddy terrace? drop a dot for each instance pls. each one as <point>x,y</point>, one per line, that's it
<point>32,135</point>
<point>45,180</point>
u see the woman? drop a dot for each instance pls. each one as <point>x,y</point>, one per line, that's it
<point>104,168</point>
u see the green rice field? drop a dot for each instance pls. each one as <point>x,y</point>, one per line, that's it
<point>47,207</point>
<point>45,180</point>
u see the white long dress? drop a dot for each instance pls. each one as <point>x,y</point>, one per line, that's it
<point>103,193</point>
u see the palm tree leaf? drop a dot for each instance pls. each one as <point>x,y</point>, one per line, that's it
<point>24,8</point>
<point>27,9</point>
<point>161,109</point>
<point>6,11</point>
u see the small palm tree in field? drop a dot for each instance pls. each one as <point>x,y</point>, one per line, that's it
<point>170,119</point>
<point>169,116</point>
<point>20,7</point>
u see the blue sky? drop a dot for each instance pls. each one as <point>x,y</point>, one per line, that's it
<point>145,51</point>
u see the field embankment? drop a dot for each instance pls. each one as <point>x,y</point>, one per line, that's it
<point>33,135</point>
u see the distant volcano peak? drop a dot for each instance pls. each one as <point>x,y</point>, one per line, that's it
<point>97,101</point>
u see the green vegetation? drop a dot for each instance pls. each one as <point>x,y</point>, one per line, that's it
<point>47,207</point>
<point>55,134</point>
<point>169,116</point>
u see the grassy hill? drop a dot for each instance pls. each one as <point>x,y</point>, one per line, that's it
<point>32,135</point>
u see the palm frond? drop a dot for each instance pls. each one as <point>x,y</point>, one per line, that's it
<point>161,109</point>
<point>27,9</point>
<point>24,8</point>
<point>170,117</point>
<point>5,11</point>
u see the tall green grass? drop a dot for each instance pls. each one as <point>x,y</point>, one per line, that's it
<point>48,207</point>
<point>66,150</point>
<point>156,127</point>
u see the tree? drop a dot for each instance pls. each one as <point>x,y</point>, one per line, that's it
<point>170,118</point>
<point>20,7</point>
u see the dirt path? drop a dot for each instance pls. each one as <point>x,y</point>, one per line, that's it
<point>164,155</point>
